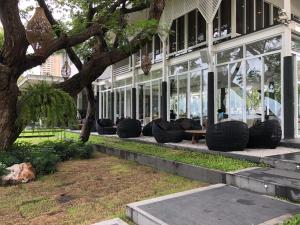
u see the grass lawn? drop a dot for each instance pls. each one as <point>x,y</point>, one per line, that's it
<point>210,161</point>
<point>86,191</point>
<point>294,221</point>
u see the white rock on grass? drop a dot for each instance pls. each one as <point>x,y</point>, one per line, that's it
<point>19,173</point>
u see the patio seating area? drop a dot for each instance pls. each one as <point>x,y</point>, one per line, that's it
<point>225,136</point>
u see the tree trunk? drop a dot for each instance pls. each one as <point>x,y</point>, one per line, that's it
<point>90,115</point>
<point>8,109</point>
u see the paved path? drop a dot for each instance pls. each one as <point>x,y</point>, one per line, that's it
<point>214,205</point>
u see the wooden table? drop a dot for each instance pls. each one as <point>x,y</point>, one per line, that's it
<point>195,134</point>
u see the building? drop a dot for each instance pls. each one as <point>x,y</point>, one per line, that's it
<point>223,58</point>
<point>50,71</point>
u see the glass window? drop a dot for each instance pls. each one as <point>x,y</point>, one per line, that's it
<point>275,15</point>
<point>182,96</point>
<point>222,92</point>
<point>296,44</point>
<point>230,55</point>
<point>173,97</point>
<point>147,102</point>
<point>263,46</point>
<point>179,68</point>
<point>259,14</point>
<point>195,95</point>
<point>298,85</point>
<point>249,16</point>
<point>204,96</point>
<point>240,16</point>
<point>128,102</point>
<point>236,91</point>
<point>180,33</point>
<point>267,14</point>
<point>201,28</point>
<point>216,25</point>
<point>141,102</point>
<point>253,90</point>
<point>157,48</point>
<point>225,17</point>
<point>198,63</point>
<point>192,28</point>
<point>108,104</point>
<point>172,37</point>
<point>155,99</point>
<point>272,85</point>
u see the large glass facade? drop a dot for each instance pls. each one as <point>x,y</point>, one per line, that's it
<point>249,87</point>
<point>252,15</point>
<point>149,96</point>
<point>222,20</point>
<point>188,90</point>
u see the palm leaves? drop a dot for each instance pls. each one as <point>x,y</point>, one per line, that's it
<point>43,102</point>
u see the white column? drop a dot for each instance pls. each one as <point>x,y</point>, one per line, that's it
<point>164,60</point>
<point>210,46</point>
<point>287,35</point>
<point>133,71</point>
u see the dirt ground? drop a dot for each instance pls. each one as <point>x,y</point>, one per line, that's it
<point>85,192</point>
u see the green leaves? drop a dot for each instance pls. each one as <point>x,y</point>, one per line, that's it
<point>43,102</point>
<point>1,38</point>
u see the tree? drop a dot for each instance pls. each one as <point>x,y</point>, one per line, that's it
<point>1,37</point>
<point>90,24</point>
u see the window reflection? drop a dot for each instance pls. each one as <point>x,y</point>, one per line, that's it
<point>253,90</point>
<point>222,92</point>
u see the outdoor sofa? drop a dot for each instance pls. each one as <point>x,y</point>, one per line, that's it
<point>265,134</point>
<point>167,132</point>
<point>227,136</point>
<point>129,128</point>
<point>188,124</point>
<point>105,127</point>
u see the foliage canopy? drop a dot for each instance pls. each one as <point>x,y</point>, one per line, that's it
<point>52,106</point>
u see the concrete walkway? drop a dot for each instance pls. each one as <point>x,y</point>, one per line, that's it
<point>213,205</point>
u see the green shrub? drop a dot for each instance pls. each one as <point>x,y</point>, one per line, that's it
<point>22,151</point>
<point>84,151</point>
<point>3,170</point>
<point>44,162</point>
<point>8,159</point>
<point>46,155</point>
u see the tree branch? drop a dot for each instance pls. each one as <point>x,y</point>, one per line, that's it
<point>100,61</point>
<point>15,42</point>
<point>63,42</point>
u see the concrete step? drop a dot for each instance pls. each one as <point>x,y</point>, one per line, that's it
<point>269,181</point>
<point>289,161</point>
<point>213,205</point>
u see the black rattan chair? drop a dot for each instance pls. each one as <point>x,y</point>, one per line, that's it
<point>227,136</point>
<point>147,130</point>
<point>167,132</point>
<point>105,127</point>
<point>129,128</point>
<point>265,135</point>
<point>188,124</point>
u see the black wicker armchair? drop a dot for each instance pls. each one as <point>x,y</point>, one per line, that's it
<point>129,128</point>
<point>227,136</point>
<point>265,135</point>
<point>188,124</point>
<point>105,127</point>
<point>147,130</point>
<point>167,132</point>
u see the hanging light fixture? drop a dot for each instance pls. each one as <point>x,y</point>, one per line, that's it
<point>66,70</point>
<point>39,31</point>
<point>146,63</point>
